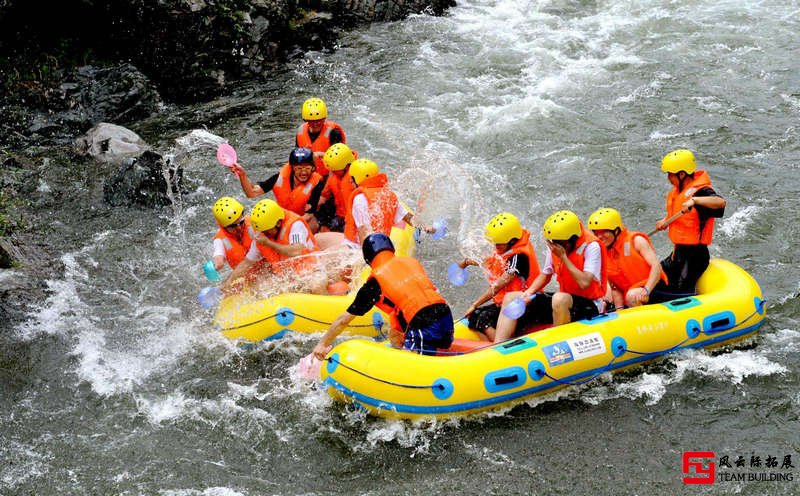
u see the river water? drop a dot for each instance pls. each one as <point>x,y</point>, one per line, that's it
<point>116,384</point>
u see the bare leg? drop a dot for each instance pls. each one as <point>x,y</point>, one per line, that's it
<point>327,240</point>
<point>505,325</point>
<point>562,303</point>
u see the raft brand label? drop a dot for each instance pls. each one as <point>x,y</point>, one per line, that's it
<point>574,349</point>
<point>587,345</point>
<point>557,353</point>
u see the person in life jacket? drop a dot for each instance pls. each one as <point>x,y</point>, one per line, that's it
<point>419,315</point>
<point>232,240</point>
<point>284,240</point>
<point>339,186</point>
<point>296,186</point>
<point>372,206</point>
<point>512,267</point>
<point>578,260</point>
<point>634,272</point>
<point>692,232</point>
<point>317,132</point>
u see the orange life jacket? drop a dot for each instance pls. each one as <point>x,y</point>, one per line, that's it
<point>497,264</point>
<point>686,229</point>
<point>405,287</point>
<point>626,267</point>
<point>566,284</point>
<point>297,198</point>
<point>340,188</point>
<point>235,249</point>
<point>301,264</point>
<point>321,144</point>
<point>382,206</point>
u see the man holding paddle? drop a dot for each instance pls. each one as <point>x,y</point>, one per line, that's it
<point>692,206</point>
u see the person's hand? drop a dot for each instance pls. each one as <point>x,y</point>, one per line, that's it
<point>237,170</point>
<point>557,250</point>
<point>638,296</point>
<point>687,205</point>
<point>427,229</point>
<point>466,263</point>
<point>320,350</point>
<point>319,155</point>
<point>660,225</point>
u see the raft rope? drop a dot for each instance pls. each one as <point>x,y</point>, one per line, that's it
<point>603,370</point>
<point>284,314</point>
<point>407,386</point>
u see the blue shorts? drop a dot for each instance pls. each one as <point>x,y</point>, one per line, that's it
<point>430,338</point>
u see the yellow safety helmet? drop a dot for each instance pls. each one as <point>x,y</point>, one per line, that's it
<point>314,109</point>
<point>338,157</point>
<point>227,210</point>
<point>561,226</point>
<point>503,228</point>
<point>363,168</point>
<point>605,218</point>
<point>265,215</point>
<point>679,160</point>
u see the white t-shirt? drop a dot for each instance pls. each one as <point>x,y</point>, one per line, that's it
<point>592,262</point>
<point>219,248</point>
<point>298,235</point>
<point>361,211</point>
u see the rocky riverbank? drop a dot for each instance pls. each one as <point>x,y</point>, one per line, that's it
<point>80,63</point>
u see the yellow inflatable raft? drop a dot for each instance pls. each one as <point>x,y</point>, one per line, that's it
<point>398,384</point>
<point>240,316</point>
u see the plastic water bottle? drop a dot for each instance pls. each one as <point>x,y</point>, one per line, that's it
<point>515,309</point>
<point>457,275</point>
<point>209,297</point>
<point>211,272</point>
<point>441,229</point>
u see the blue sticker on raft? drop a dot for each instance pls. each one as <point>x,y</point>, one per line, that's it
<point>558,353</point>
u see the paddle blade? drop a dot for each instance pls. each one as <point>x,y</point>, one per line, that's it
<point>211,272</point>
<point>515,309</point>
<point>441,229</point>
<point>226,155</point>
<point>457,275</point>
<point>308,367</point>
<point>209,297</point>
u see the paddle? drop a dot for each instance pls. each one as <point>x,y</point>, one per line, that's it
<point>226,156</point>
<point>309,367</point>
<point>667,223</point>
<point>211,272</point>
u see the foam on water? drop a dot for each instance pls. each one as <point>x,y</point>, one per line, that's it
<point>737,223</point>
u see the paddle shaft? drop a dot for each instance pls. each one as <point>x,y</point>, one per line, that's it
<point>667,223</point>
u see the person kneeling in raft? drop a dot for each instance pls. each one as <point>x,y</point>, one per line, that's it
<point>419,316</point>
<point>284,240</point>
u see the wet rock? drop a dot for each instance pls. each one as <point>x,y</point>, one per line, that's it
<point>110,143</point>
<point>115,94</point>
<point>147,181</point>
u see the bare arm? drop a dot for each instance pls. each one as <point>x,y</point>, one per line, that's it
<point>537,285</point>
<point>494,287</point>
<point>336,328</point>
<point>583,278</point>
<point>292,250</point>
<point>250,190</point>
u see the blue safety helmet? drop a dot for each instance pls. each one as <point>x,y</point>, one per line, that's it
<point>301,156</point>
<point>374,244</point>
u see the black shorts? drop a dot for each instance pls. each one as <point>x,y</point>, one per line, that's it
<point>487,315</point>
<point>582,308</point>
<point>684,266</point>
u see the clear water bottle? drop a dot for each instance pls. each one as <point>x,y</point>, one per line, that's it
<point>441,229</point>
<point>457,275</point>
<point>515,309</point>
<point>209,297</point>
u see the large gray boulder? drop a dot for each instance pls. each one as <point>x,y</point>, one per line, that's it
<point>110,143</point>
<point>146,181</point>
